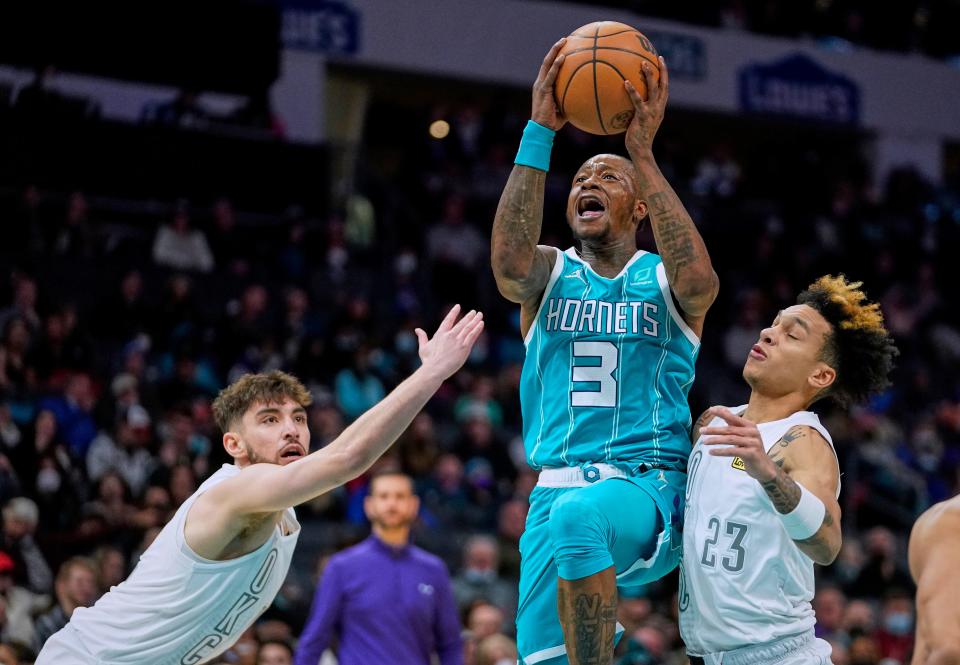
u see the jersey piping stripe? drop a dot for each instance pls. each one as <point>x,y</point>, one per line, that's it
<point>656,384</point>
<point>573,337</point>
<point>672,308</point>
<point>616,415</point>
<point>557,269</point>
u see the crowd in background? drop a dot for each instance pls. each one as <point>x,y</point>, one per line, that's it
<point>116,335</point>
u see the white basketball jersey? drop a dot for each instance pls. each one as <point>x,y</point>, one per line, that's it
<point>743,581</point>
<point>177,608</point>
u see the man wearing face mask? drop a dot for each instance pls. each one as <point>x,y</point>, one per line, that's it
<point>934,555</point>
<point>480,579</point>
<point>895,636</point>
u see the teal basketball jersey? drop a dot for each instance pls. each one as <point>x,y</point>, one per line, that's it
<point>608,367</point>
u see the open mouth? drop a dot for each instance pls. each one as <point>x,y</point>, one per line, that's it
<point>590,206</point>
<point>292,451</point>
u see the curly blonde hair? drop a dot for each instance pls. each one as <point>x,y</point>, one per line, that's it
<point>859,347</point>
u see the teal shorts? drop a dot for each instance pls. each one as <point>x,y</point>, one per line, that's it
<point>640,519</point>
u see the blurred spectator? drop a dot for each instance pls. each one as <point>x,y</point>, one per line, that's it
<point>830,605</point>
<point>73,412</point>
<point>76,586</point>
<point>387,600</point>
<point>24,305</point>
<point>883,570</point>
<point>275,653</point>
<point>111,568</point>
<point>180,247</point>
<point>74,238</point>
<point>357,387</point>
<point>484,619</point>
<point>20,605</point>
<point>479,579</point>
<point>511,523</point>
<point>895,637</point>
<point>127,313</point>
<point>455,249</point>
<point>17,378</point>
<point>30,570</point>
<point>496,650</point>
<point>125,451</point>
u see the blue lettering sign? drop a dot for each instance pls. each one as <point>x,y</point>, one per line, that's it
<point>326,26</point>
<point>799,86</point>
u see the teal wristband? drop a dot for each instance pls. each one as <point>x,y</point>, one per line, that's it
<point>535,146</point>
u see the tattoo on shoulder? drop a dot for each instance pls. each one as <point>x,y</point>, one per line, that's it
<point>794,433</point>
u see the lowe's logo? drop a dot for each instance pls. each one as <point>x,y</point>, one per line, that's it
<point>798,86</point>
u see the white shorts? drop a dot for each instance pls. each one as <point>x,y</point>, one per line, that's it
<point>64,648</point>
<point>803,649</point>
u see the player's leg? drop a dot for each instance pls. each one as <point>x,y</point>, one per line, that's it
<point>539,636</point>
<point>597,532</point>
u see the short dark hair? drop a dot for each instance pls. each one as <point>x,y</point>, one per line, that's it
<point>265,388</point>
<point>858,347</point>
<point>392,473</point>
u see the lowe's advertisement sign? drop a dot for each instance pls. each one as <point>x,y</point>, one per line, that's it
<point>798,86</point>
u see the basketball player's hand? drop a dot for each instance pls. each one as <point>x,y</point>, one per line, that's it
<point>545,111</point>
<point>648,113</point>
<point>739,438</point>
<point>450,346</point>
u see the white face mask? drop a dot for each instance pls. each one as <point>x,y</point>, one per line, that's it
<point>48,481</point>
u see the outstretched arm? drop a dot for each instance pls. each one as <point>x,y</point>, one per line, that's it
<point>801,457</point>
<point>685,259</point>
<point>520,267</point>
<point>266,488</point>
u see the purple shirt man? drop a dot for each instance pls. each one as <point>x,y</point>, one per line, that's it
<point>386,600</point>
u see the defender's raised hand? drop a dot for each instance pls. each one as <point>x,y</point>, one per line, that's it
<point>544,111</point>
<point>450,346</point>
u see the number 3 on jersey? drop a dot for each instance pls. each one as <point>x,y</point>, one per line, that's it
<point>594,363</point>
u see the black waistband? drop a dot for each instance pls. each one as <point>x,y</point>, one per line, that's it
<point>696,660</point>
<point>644,467</point>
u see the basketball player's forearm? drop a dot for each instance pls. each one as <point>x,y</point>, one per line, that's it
<point>370,435</point>
<point>685,258</point>
<point>516,225</point>
<point>784,493</point>
<point>357,447</point>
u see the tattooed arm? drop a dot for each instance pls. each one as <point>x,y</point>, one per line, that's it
<point>805,457</point>
<point>802,456</point>
<point>520,266</point>
<point>685,259</point>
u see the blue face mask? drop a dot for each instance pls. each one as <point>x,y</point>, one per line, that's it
<point>898,623</point>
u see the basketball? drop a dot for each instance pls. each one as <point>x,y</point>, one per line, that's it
<point>589,87</point>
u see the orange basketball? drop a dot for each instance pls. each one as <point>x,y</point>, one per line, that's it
<point>589,87</point>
